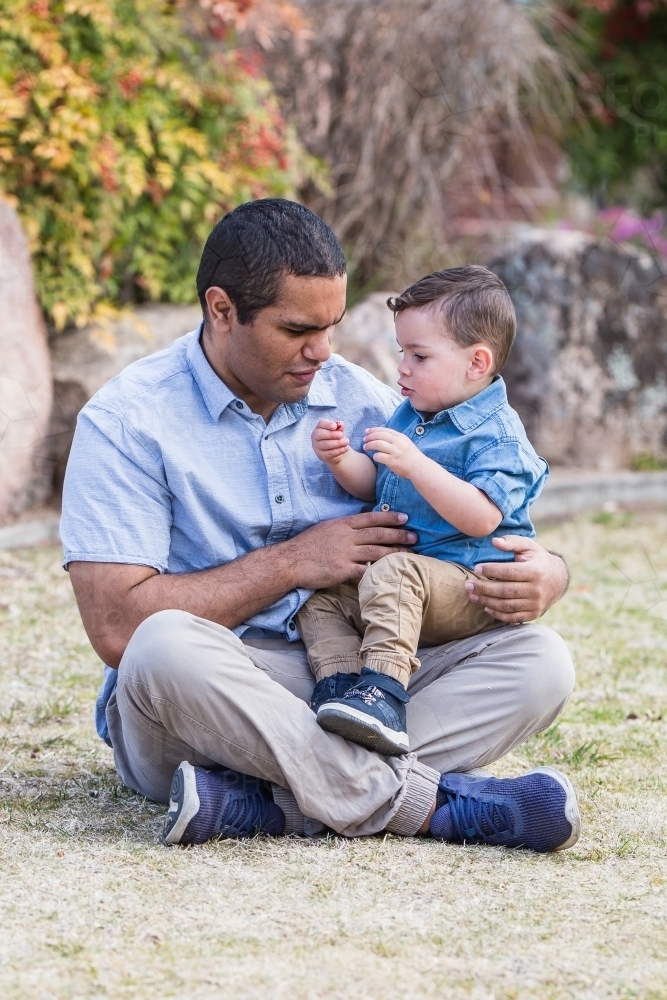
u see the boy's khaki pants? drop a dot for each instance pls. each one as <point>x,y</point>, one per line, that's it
<point>403,601</point>
<point>189,689</point>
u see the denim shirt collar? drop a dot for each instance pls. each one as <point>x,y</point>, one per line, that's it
<point>469,415</point>
<point>217,396</point>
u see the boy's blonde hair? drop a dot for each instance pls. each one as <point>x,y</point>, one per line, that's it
<point>473,303</point>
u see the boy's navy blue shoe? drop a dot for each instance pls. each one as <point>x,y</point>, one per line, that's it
<point>331,687</point>
<point>371,713</point>
<point>204,805</point>
<point>537,810</point>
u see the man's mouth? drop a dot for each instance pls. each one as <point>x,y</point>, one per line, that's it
<point>304,377</point>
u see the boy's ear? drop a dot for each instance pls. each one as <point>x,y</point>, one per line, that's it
<point>481,362</point>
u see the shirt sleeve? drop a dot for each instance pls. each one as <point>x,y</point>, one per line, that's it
<point>508,474</point>
<point>116,503</point>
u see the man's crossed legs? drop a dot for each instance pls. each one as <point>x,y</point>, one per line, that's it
<point>190,690</point>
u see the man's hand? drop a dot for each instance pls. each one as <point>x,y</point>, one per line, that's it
<point>329,441</point>
<point>334,551</point>
<point>115,598</point>
<point>522,590</point>
<point>393,449</point>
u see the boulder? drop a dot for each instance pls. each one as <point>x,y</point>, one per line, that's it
<point>366,336</point>
<point>83,360</point>
<point>588,370</point>
<point>25,377</point>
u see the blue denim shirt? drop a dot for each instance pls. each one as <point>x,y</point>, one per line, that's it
<point>170,469</point>
<point>483,442</point>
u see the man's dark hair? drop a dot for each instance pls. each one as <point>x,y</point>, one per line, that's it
<point>473,303</point>
<point>251,249</point>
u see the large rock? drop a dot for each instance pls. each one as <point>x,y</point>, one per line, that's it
<point>83,360</point>
<point>25,377</point>
<point>366,336</point>
<point>588,371</point>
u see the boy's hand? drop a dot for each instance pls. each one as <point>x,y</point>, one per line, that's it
<point>329,441</point>
<point>393,449</point>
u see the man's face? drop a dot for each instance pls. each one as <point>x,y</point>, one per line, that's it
<point>275,359</point>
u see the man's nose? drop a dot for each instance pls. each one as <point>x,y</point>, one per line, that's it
<point>318,347</point>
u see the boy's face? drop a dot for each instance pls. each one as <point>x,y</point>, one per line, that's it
<point>435,372</point>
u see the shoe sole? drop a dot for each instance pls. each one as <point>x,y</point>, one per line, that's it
<point>571,804</point>
<point>356,727</point>
<point>183,803</point>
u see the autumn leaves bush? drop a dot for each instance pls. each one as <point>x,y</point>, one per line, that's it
<point>121,144</point>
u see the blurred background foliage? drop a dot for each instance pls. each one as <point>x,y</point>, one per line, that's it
<point>121,145</point>
<point>617,140</point>
<point>128,128</point>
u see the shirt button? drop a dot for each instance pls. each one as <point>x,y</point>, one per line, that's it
<point>292,627</point>
<point>384,506</point>
<point>419,429</point>
<point>279,498</point>
<point>239,404</point>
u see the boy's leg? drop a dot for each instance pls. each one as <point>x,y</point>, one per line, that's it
<point>331,629</point>
<point>407,600</point>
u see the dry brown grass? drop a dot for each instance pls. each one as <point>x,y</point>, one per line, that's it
<point>92,906</point>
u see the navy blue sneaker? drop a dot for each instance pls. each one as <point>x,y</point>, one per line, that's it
<point>371,713</point>
<point>204,805</point>
<point>331,687</point>
<point>537,810</point>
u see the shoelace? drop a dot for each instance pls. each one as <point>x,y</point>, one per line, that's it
<point>470,816</point>
<point>243,812</point>
<point>369,695</point>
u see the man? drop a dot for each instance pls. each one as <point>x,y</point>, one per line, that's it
<point>196,522</point>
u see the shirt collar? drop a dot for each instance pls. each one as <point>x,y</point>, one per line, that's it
<point>320,393</point>
<point>469,415</point>
<point>217,396</point>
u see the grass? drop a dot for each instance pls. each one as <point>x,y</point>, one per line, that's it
<point>92,906</point>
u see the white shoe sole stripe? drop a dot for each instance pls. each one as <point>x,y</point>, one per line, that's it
<point>391,735</point>
<point>190,805</point>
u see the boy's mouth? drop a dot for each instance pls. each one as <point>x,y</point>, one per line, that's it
<point>405,390</point>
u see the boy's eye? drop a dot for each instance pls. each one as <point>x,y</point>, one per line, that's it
<point>420,357</point>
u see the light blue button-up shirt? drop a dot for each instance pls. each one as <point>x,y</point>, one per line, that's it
<point>483,442</point>
<point>170,469</point>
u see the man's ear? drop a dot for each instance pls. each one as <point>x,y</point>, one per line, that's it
<point>481,362</point>
<point>221,310</point>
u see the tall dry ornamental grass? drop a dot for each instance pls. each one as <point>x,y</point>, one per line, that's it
<point>403,99</point>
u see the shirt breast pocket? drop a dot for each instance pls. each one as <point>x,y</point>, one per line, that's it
<point>326,496</point>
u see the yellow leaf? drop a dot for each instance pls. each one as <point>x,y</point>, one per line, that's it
<point>60,312</point>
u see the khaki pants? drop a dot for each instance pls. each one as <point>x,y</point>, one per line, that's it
<point>189,689</point>
<point>403,601</point>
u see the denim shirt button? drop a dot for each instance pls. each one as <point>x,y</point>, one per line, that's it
<point>239,404</point>
<point>384,506</point>
<point>419,429</point>
<point>279,498</point>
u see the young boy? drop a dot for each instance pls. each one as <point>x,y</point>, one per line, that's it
<point>454,457</point>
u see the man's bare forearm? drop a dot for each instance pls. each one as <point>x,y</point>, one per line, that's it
<point>115,599</point>
<point>113,602</point>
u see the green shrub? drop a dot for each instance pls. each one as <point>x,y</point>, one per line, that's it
<point>120,145</point>
<point>618,150</point>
